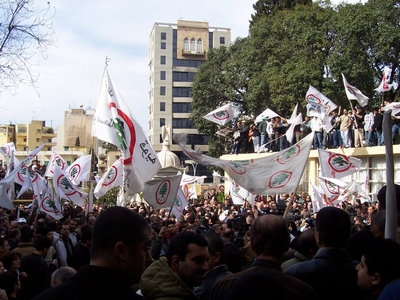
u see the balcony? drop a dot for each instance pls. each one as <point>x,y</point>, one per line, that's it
<point>48,133</point>
<point>193,52</point>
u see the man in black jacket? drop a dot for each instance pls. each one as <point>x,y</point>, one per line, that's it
<point>119,251</point>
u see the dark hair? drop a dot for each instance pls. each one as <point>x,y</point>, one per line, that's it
<point>383,257</point>
<point>306,242</point>
<point>382,197</point>
<point>2,240</point>
<point>117,224</point>
<point>14,232</point>
<point>86,236</point>
<point>334,226</point>
<point>215,243</point>
<point>8,280</point>
<point>8,258</point>
<point>233,257</point>
<point>180,242</point>
<point>41,242</point>
<point>26,234</point>
<point>270,235</point>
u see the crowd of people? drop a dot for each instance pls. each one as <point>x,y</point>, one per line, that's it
<point>358,127</point>
<point>277,246</point>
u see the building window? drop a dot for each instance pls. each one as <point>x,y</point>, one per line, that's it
<point>163,35</point>
<point>162,90</point>
<point>163,59</point>
<point>163,75</point>
<point>162,122</point>
<point>186,45</point>
<point>162,106</point>
<point>163,45</point>
<point>182,107</point>
<point>181,92</point>
<point>183,76</point>
<point>222,40</point>
<point>182,123</point>
<point>199,46</point>
<point>192,45</point>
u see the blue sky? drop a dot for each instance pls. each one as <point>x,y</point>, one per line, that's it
<point>89,31</point>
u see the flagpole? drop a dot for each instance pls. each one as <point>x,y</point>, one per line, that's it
<point>291,196</point>
<point>169,214</point>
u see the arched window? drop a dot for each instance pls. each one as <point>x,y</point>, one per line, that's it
<point>199,46</point>
<point>186,44</point>
<point>192,45</point>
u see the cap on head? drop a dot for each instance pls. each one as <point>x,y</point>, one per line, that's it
<point>21,220</point>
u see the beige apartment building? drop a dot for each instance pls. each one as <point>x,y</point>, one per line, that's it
<point>175,53</point>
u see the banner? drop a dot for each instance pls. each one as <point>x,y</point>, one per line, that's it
<point>278,173</point>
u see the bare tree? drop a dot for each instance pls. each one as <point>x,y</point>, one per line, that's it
<point>24,31</point>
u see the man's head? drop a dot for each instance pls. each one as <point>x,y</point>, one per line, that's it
<point>4,246</point>
<point>120,240</point>
<point>379,265</point>
<point>61,275</point>
<point>187,256</point>
<point>332,227</point>
<point>215,249</point>
<point>382,197</point>
<point>270,236</point>
<point>72,225</point>
<point>42,245</point>
<point>64,231</point>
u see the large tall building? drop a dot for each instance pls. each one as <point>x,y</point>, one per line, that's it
<point>175,53</point>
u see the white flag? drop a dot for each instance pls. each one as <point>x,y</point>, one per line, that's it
<point>354,93</point>
<point>112,178</point>
<point>6,149</point>
<point>11,176</point>
<point>267,114</point>
<point>64,187</point>
<point>113,122</point>
<point>278,173</point>
<point>79,170</point>
<point>45,198</point>
<point>337,165</point>
<point>298,120</point>
<point>354,189</point>
<point>332,188</point>
<point>55,159</point>
<point>318,105</point>
<point>161,191</point>
<point>223,114</point>
<point>234,190</point>
<point>294,115</point>
<point>394,106</point>
<point>180,204</point>
<point>318,198</point>
<point>246,195</point>
<point>385,86</point>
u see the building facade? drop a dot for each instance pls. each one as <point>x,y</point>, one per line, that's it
<point>175,53</point>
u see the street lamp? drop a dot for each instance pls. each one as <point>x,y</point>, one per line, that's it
<point>194,165</point>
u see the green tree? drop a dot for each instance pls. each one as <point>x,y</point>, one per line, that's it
<point>271,7</point>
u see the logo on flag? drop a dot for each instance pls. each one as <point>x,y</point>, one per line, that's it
<point>280,179</point>
<point>339,162</point>
<point>289,154</point>
<point>222,115</point>
<point>163,191</point>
